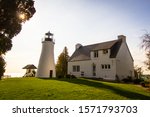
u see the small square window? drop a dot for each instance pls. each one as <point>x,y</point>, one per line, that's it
<point>105,51</point>
<point>82,73</point>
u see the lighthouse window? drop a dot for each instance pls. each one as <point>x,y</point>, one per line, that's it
<point>76,68</point>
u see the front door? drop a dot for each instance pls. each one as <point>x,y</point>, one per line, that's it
<point>51,74</point>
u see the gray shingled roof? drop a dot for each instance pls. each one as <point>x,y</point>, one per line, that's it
<point>30,66</point>
<point>83,53</point>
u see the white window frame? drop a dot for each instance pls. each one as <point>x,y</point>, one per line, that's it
<point>76,68</point>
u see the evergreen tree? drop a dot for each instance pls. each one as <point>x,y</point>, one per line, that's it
<point>12,14</point>
<point>62,63</point>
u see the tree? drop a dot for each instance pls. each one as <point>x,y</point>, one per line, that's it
<point>2,64</point>
<point>12,14</point>
<point>62,63</point>
<point>138,71</point>
<point>146,41</point>
<point>146,46</point>
<point>147,62</point>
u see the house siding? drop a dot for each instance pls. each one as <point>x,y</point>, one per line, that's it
<point>86,67</point>
<point>124,62</point>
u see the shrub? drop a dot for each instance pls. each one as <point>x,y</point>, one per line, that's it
<point>59,76</point>
<point>127,80</point>
<point>138,81</point>
<point>70,76</point>
<point>145,83</point>
<point>73,76</point>
<point>117,78</point>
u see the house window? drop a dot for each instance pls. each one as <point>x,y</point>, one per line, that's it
<point>96,54</point>
<point>105,51</point>
<point>82,73</point>
<point>102,66</point>
<point>76,68</point>
<point>108,66</point>
<point>105,66</point>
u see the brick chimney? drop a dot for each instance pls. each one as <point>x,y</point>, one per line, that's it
<point>122,38</point>
<point>77,46</point>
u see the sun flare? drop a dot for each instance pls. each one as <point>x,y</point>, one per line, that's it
<point>22,16</point>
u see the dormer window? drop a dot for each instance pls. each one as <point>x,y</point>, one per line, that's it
<point>96,54</point>
<point>105,51</point>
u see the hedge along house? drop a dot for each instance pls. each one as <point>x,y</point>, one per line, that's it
<point>107,60</point>
<point>30,70</point>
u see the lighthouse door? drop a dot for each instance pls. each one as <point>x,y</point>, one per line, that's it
<point>51,74</point>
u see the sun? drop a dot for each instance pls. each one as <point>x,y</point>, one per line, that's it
<point>22,16</point>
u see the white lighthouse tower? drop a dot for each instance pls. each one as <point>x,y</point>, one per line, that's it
<point>46,67</point>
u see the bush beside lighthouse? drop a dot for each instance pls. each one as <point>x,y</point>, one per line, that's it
<point>46,67</point>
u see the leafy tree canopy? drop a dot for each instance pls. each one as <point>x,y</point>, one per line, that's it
<point>12,14</point>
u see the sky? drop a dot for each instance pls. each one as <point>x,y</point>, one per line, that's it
<point>79,21</point>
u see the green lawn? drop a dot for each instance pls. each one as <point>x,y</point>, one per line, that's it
<point>68,89</point>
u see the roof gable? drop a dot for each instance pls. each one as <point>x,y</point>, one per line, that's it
<point>83,53</point>
<point>115,48</point>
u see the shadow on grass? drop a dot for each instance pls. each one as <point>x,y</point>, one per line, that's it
<point>126,93</point>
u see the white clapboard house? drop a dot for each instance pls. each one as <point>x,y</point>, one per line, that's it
<point>108,60</point>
